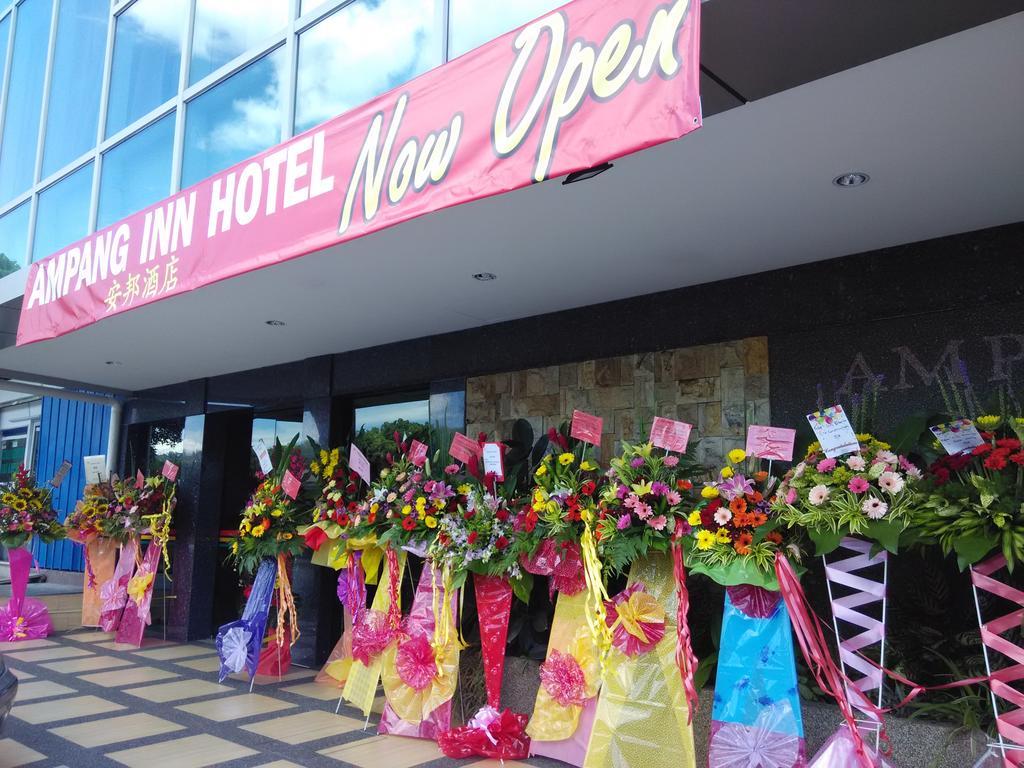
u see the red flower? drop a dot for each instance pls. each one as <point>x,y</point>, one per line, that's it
<point>343,520</point>
<point>531,521</point>
<point>409,523</point>
<point>472,538</point>
<point>1009,443</point>
<point>1018,458</point>
<point>996,461</point>
<point>684,485</point>
<point>468,514</point>
<point>707,518</point>
<point>982,449</point>
<point>502,514</point>
<point>588,488</point>
<point>941,475</point>
<point>501,543</point>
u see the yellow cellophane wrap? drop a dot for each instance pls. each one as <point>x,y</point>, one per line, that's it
<point>361,686</point>
<point>569,634</point>
<point>412,705</point>
<point>641,712</point>
<point>102,554</point>
<point>336,552</point>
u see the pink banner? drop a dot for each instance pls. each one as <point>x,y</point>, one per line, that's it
<point>1010,723</point>
<point>588,83</point>
<point>23,618</point>
<point>850,573</point>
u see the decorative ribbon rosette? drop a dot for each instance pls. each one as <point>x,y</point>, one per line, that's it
<point>239,642</point>
<point>636,619</point>
<point>868,494</point>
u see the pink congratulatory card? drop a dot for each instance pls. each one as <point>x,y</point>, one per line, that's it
<point>586,427</point>
<point>670,435</point>
<point>772,443</point>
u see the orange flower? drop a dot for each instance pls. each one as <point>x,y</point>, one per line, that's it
<point>761,476</point>
<point>738,506</point>
<point>760,518</point>
<point>742,544</point>
<point>775,537</point>
<point>742,520</point>
<point>684,485</point>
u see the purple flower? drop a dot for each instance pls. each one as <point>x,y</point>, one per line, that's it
<point>440,491</point>
<point>684,528</point>
<point>658,488</point>
<point>671,461</point>
<point>623,522</point>
<point>621,492</point>
<point>636,463</point>
<point>734,486</point>
<point>826,465</point>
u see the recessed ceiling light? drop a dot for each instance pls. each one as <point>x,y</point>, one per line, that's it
<point>485,277</point>
<point>852,179</point>
<point>589,173</point>
<point>114,362</point>
<point>276,323</point>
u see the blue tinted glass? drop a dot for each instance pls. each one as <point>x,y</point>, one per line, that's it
<point>62,213</point>
<point>24,98</point>
<point>236,119</point>
<point>13,239</point>
<point>5,32</point>
<point>147,59</point>
<point>75,83</point>
<point>137,172</point>
<point>225,29</point>
<point>363,50</point>
<point>474,23</point>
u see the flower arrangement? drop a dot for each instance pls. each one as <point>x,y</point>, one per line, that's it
<point>567,487</point>
<point>89,518</point>
<point>336,511</point>
<point>974,501</point>
<point>26,511</point>
<point>271,519</point>
<point>869,494</point>
<point>734,534</point>
<point>642,504</point>
<point>477,534</point>
<point>402,507</point>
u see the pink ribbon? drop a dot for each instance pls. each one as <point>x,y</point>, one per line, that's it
<point>686,659</point>
<point>864,592</point>
<point>1008,723</point>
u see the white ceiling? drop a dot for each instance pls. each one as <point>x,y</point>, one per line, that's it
<point>937,127</point>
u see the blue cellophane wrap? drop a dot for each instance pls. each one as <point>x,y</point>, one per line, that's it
<point>250,628</point>
<point>756,713</point>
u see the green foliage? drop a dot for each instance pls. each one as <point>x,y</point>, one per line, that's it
<point>378,442</point>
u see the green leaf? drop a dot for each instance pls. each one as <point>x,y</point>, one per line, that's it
<point>972,549</point>
<point>740,571</point>
<point>825,540</point>
<point>523,587</point>
<point>908,433</point>
<point>885,532</point>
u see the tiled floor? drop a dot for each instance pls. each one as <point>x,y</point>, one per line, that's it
<point>85,701</point>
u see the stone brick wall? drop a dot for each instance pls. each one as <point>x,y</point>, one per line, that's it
<point>719,388</point>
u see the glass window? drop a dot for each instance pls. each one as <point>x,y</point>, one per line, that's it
<point>376,426</point>
<point>13,239</point>
<point>235,119</point>
<point>309,5</point>
<point>5,33</point>
<point>25,98</point>
<point>12,452</point>
<point>474,23</point>
<point>361,51</point>
<point>164,443</point>
<point>75,83</point>
<point>62,213</point>
<point>137,172</point>
<point>147,59</point>
<point>225,29</point>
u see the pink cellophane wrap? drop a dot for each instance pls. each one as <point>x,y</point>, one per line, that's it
<point>559,561</point>
<point>114,591</point>
<point>100,554</point>
<point>840,751</point>
<point>420,621</point>
<point>22,618</point>
<point>622,638</point>
<point>136,616</point>
<point>371,636</point>
<point>415,661</point>
<point>563,678</point>
<point>490,733</point>
<point>494,606</point>
<point>574,749</point>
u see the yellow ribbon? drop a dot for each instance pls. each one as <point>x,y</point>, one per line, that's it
<point>443,623</point>
<point>285,603</point>
<point>596,614</point>
<point>139,585</point>
<point>641,608</point>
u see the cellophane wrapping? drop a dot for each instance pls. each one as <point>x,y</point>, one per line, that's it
<point>114,591</point>
<point>239,642</point>
<point>136,616</point>
<point>22,618</point>
<point>642,717</point>
<point>562,731</point>
<point>756,714</point>
<point>494,606</point>
<point>840,751</point>
<point>419,680</point>
<point>361,685</point>
<point>493,734</point>
<point>100,556</point>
